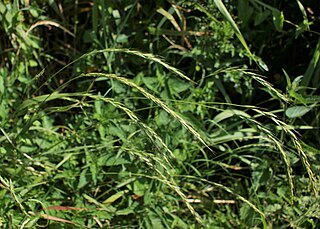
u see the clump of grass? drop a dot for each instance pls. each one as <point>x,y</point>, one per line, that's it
<point>166,175</point>
<point>154,152</point>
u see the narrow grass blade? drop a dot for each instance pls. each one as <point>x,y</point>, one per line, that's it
<point>48,97</point>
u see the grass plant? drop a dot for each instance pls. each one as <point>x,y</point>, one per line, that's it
<point>151,125</point>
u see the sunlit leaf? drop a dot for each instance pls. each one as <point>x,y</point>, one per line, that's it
<point>115,197</point>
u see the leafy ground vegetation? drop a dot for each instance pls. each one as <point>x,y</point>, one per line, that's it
<point>159,114</point>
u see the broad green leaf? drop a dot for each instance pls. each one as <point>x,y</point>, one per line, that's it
<point>27,149</point>
<point>115,160</point>
<point>118,87</point>
<point>244,11</point>
<point>180,155</point>
<point>261,17</point>
<point>101,130</point>
<point>114,197</point>
<point>178,85</point>
<point>154,221</point>
<point>98,106</point>
<point>2,8</point>
<point>33,63</point>
<point>129,210</point>
<point>273,208</point>
<point>82,179</point>
<point>34,12</point>
<point>43,143</point>
<point>122,38</point>
<point>278,19</point>
<point>162,118</point>
<point>151,83</point>
<point>116,14</point>
<point>117,131</point>
<point>297,111</point>
<point>106,208</point>
<point>139,188</point>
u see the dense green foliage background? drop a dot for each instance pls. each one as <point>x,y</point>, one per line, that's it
<point>159,114</point>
